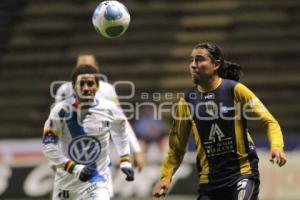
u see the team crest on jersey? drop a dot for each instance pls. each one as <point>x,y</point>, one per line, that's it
<point>211,108</point>
<point>84,149</point>
<point>100,126</point>
<point>93,124</point>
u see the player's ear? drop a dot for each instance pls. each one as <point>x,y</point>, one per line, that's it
<point>217,64</point>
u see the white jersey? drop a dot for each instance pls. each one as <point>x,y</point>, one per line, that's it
<point>108,92</point>
<point>82,135</point>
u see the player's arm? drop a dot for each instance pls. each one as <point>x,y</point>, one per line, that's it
<point>121,141</point>
<point>177,146</point>
<point>257,111</point>
<point>133,141</point>
<point>134,146</point>
<point>50,141</point>
<point>109,93</point>
<point>52,151</point>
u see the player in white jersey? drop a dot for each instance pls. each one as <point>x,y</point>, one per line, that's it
<point>108,92</point>
<point>76,140</point>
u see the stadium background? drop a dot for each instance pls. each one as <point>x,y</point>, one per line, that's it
<point>40,39</point>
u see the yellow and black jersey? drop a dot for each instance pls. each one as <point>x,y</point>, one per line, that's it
<point>217,118</point>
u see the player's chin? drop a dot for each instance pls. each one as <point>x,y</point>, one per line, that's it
<point>87,99</point>
<point>196,79</point>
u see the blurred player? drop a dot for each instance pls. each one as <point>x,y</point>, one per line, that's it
<point>76,140</point>
<point>107,92</point>
<point>226,157</point>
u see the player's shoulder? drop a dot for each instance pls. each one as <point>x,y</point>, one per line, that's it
<point>105,86</point>
<point>105,83</point>
<point>60,108</point>
<point>240,87</point>
<point>65,86</point>
<point>64,91</point>
<point>228,84</point>
<point>103,103</point>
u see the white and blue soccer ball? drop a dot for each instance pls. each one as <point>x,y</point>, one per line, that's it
<point>111,19</point>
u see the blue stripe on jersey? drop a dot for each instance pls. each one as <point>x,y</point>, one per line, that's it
<point>75,129</point>
<point>96,103</point>
<point>96,177</point>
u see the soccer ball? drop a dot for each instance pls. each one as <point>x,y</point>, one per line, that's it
<point>111,19</point>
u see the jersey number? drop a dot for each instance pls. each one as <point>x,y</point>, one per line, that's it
<point>64,194</point>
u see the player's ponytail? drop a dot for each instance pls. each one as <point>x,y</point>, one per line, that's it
<point>227,70</point>
<point>230,70</point>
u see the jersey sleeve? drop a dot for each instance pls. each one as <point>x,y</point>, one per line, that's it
<point>118,133</point>
<point>257,111</point>
<point>50,141</point>
<point>133,141</point>
<point>177,140</point>
<point>109,93</point>
<point>113,95</point>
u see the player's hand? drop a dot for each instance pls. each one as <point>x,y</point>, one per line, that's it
<point>82,172</point>
<point>279,156</point>
<point>139,161</point>
<point>127,169</point>
<point>85,174</point>
<point>161,188</point>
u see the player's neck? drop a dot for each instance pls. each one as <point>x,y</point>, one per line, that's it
<point>78,104</point>
<point>210,84</point>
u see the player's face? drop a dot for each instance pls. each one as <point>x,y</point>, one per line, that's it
<point>86,87</point>
<point>202,67</point>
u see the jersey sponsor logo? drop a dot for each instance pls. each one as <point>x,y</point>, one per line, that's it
<point>215,132</point>
<point>218,143</point>
<point>50,137</point>
<point>209,96</point>
<point>85,149</point>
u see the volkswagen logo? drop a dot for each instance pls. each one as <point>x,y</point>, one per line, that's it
<point>84,149</point>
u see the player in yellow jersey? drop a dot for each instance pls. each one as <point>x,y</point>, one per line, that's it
<point>216,110</point>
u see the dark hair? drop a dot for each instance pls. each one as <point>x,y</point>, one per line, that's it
<point>84,69</point>
<point>227,69</point>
